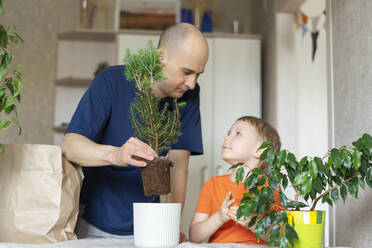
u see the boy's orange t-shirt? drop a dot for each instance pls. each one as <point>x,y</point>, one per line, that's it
<point>211,197</point>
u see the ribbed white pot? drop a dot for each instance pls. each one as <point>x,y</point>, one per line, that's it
<point>156,224</point>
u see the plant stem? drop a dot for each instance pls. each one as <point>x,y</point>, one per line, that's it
<point>329,190</point>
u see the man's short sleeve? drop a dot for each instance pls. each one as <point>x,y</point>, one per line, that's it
<point>191,137</point>
<point>205,202</point>
<point>93,110</point>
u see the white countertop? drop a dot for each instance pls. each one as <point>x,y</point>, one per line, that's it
<point>125,242</point>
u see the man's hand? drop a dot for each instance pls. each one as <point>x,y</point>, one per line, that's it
<point>182,237</point>
<point>223,213</point>
<point>134,147</point>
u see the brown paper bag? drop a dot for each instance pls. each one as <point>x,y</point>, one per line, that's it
<point>39,194</point>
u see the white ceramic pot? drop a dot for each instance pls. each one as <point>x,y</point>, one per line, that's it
<point>156,224</point>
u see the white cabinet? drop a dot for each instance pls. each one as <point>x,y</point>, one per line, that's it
<point>230,88</point>
<point>79,53</point>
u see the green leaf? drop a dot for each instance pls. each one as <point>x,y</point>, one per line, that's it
<point>283,199</point>
<point>283,243</point>
<point>337,158</point>
<point>274,184</point>
<point>290,233</point>
<point>251,181</point>
<point>320,164</point>
<point>356,159</point>
<point>257,171</point>
<point>343,192</point>
<point>236,165</point>
<point>274,235</point>
<point>300,178</point>
<point>369,177</point>
<point>253,221</point>
<point>306,187</point>
<point>251,207</point>
<point>291,160</point>
<point>313,169</point>
<point>15,121</point>
<point>262,208</point>
<point>259,229</point>
<point>2,93</point>
<point>1,6</point>
<point>261,181</point>
<point>295,204</point>
<point>9,102</point>
<point>279,161</point>
<point>282,218</point>
<point>239,175</point>
<point>367,140</point>
<point>361,183</point>
<point>4,124</point>
<point>346,159</point>
<point>1,148</point>
<point>303,162</point>
<point>270,156</point>
<point>329,201</point>
<point>353,190</point>
<point>334,195</point>
<point>264,145</point>
<point>266,220</point>
<point>284,182</point>
<point>318,185</point>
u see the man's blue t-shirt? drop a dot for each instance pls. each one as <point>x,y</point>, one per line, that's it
<point>103,116</point>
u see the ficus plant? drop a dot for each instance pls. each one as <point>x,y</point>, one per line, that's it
<point>341,172</point>
<point>11,81</point>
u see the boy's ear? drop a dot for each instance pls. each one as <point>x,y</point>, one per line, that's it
<point>258,153</point>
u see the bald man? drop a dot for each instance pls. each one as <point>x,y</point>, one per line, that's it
<point>99,136</point>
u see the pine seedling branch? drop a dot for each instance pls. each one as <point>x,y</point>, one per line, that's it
<point>153,123</point>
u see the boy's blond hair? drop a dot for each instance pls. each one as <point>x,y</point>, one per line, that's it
<point>265,130</point>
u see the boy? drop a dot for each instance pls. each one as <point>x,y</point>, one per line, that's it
<point>215,214</point>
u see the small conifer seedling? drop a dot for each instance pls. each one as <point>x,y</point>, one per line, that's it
<point>154,123</point>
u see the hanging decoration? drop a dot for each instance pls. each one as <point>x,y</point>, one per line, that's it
<point>309,24</point>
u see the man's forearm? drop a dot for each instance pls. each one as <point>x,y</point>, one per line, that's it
<point>84,152</point>
<point>180,159</point>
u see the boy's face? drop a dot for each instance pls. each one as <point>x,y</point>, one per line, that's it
<point>241,143</point>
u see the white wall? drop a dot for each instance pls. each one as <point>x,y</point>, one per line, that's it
<point>301,101</point>
<point>295,87</point>
<point>352,103</point>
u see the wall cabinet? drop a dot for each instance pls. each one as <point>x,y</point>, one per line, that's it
<point>230,87</point>
<point>79,53</point>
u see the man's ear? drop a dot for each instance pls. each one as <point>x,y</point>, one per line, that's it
<point>162,54</point>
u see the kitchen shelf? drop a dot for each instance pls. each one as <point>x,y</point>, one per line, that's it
<point>88,35</point>
<point>59,129</point>
<point>74,82</point>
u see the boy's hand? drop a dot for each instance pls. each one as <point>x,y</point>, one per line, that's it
<point>223,213</point>
<point>241,221</point>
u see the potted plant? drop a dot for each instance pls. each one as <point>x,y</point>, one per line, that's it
<point>153,122</point>
<point>158,126</point>
<point>340,172</point>
<point>11,81</point>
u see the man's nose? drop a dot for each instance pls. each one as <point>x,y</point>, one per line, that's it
<point>191,82</point>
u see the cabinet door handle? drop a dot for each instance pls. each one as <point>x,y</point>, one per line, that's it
<point>205,176</point>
